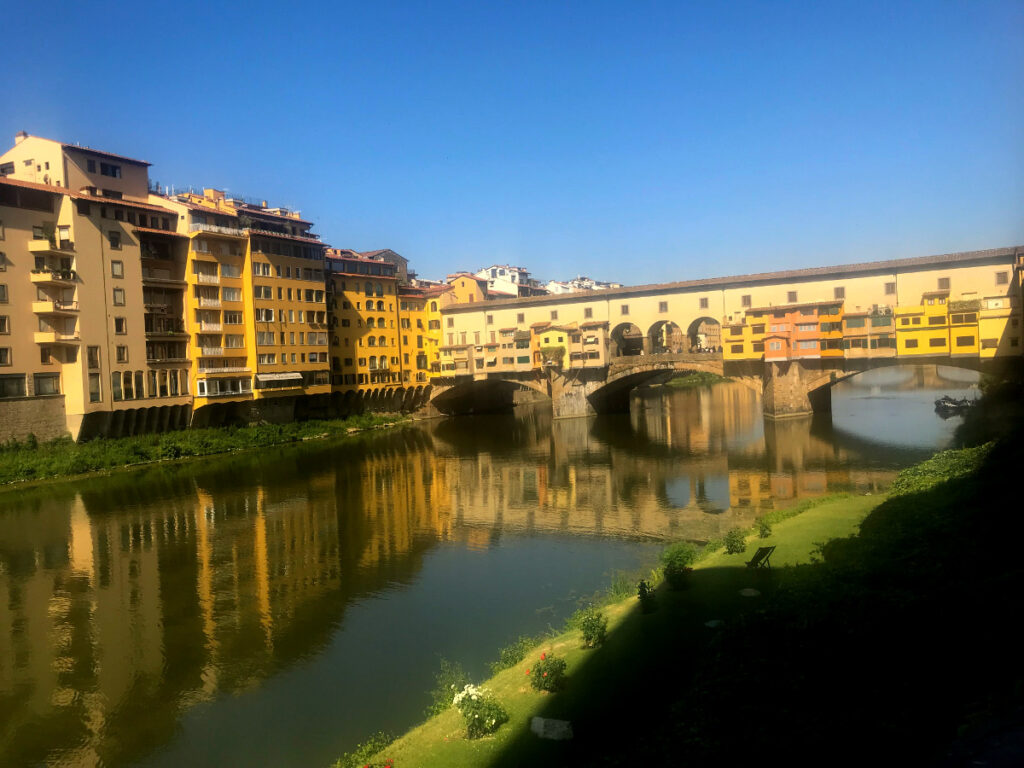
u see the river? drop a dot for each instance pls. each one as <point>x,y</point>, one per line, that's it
<point>275,608</point>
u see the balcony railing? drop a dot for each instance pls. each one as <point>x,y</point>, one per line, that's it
<point>211,351</point>
<point>203,277</point>
<point>48,245</point>
<point>210,327</point>
<point>205,302</point>
<point>54,307</point>
<point>213,228</point>
<point>224,369</point>
<point>43,276</point>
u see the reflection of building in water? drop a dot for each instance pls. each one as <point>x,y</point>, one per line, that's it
<point>120,607</point>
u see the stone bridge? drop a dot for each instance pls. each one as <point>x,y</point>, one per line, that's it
<point>791,388</point>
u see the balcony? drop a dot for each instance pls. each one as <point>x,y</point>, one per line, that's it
<point>164,326</point>
<point>158,360</point>
<point>56,337</point>
<point>224,369</point>
<point>207,279</point>
<point>45,246</point>
<point>56,277</point>
<point>210,303</point>
<point>210,327</point>
<point>211,351</point>
<point>55,307</point>
<point>160,277</point>
<point>215,230</point>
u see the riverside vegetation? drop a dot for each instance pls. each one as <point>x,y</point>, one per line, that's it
<point>880,629</point>
<point>32,460</point>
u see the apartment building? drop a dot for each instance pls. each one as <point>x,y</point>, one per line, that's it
<point>256,307</point>
<point>80,241</point>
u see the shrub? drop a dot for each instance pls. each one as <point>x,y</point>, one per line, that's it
<point>678,560</point>
<point>593,625</point>
<point>512,654</point>
<point>481,711</point>
<point>365,752</point>
<point>645,593</point>
<point>764,528</point>
<point>548,674</point>
<point>450,679</point>
<point>735,541</point>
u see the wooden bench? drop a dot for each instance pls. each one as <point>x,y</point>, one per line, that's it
<point>761,558</point>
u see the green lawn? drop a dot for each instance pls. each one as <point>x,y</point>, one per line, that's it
<point>635,642</point>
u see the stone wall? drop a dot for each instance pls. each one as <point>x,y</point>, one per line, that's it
<point>43,417</point>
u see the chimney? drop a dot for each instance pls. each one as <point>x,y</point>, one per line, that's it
<point>20,136</point>
<point>263,204</point>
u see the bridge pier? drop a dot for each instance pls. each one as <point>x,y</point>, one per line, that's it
<point>793,388</point>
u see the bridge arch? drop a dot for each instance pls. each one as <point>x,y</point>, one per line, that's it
<point>627,340</point>
<point>665,337</point>
<point>704,333</point>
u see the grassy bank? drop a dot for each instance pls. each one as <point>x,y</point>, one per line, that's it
<point>695,380</point>
<point>717,577</point>
<point>28,461</point>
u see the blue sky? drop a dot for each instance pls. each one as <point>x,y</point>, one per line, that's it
<point>632,141</point>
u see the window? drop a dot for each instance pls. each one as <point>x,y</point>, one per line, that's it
<point>554,314</point>
<point>745,300</point>
<point>588,312</point>
<point>839,292</point>
<point>119,297</point>
<point>3,261</point>
<point>3,293</point>
<point>663,306</point>
<point>235,294</point>
<point>520,316</point>
<point>109,169</point>
<point>5,355</point>
<point>115,240</point>
<point>911,343</point>
<point>964,341</point>
<point>624,309</point>
<point>855,322</point>
<point>1002,278</point>
<point>260,292</point>
<point>46,384</point>
<point>121,355</point>
<point>117,269</point>
<point>940,320</point>
<point>490,320</point>
<point>5,324</point>
<point>937,342</point>
<point>943,283</point>
<point>94,388</point>
<point>757,328</point>
<point>804,327</point>
<point>235,318</point>
<point>451,322</point>
<point>12,386</point>
<point>890,289</point>
<point>791,297</point>
<point>267,359</point>
<point>120,326</point>
<point>704,302</point>
<point>775,346</point>
<point>230,270</point>
<point>807,344</point>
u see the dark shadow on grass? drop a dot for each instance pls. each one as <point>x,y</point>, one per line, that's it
<point>895,649</point>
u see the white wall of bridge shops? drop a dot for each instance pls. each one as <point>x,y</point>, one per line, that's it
<point>971,276</point>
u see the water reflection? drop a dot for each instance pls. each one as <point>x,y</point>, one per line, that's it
<point>128,601</point>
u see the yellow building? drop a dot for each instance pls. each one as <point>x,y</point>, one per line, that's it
<point>923,329</point>
<point>256,309</point>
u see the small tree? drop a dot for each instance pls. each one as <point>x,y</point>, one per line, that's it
<point>735,541</point>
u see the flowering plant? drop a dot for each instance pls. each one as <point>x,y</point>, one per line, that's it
<point>548,674</point>
<point>481,711</point>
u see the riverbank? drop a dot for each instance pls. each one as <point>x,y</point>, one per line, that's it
<point>713,596</point>
<point>23,463</point>
<point>885,642</point>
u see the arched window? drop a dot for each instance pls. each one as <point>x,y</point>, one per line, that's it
<point>163,383</point>
<point>139,378</point>
<point>371,341</point>
<point>368,289</point>
<point>373,363</point>
<point>433,306</point>
<point>129,391</point>
<point>172,380</point>
<point>151,389</point>
<point>380,289</point>
<point>115,386</point>
<point>383,363</point>
<point>382,341</point>
<point>380,306</point>
<point>369,322</point>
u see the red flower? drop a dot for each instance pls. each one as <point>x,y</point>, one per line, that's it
<point>545,674</point>
<point>543,656</point>
<point>527,671</point>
